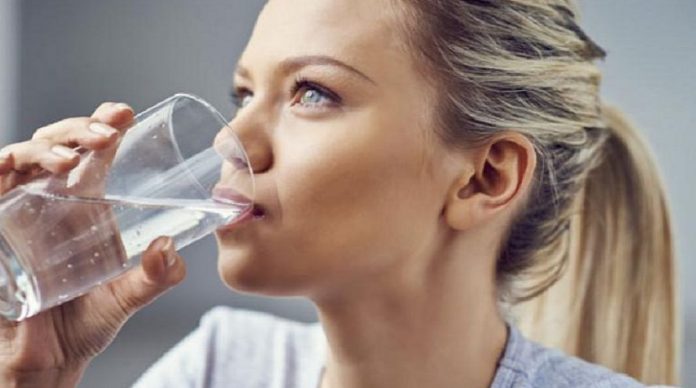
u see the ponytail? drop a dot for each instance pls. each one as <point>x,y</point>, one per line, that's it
<point>596,228</point>
<point>616,305</point>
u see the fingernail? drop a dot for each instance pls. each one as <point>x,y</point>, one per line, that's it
<point>168,252</point>
<point>64,152</point>
<point>122,106</point>
<point>102,129</point>
<point>171,259</point>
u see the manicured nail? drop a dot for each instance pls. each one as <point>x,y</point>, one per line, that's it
<point>122,106</point>
<point>102,129</point>
<point>171,259</point>
<point>168,252</point>
<point>64,152</point>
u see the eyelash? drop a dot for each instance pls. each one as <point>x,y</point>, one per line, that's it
<point>238,94</point>
<point>303,85</point>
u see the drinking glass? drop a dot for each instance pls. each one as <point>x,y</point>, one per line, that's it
<point>178,171</point>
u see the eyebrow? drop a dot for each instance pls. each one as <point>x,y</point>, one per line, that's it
<point>295,63</point>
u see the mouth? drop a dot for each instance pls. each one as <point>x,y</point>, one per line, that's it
<point>229,195</point>
<point>252,211</point>
<point>256,213</point>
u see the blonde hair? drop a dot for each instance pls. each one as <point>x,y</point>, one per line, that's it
<point>596,218</point>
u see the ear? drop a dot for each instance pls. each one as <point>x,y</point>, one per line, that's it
<point>498,179</point>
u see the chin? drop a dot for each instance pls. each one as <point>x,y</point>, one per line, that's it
<point>254,275</point>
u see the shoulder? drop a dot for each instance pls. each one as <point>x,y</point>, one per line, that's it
<point>241,348</point>
<point>528,364</point>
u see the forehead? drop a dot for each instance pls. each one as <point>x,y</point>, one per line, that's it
<point>360,32</point>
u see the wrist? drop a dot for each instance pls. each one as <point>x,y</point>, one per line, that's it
<point>67,377</point>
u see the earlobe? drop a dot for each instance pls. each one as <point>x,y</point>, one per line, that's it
<point>502,171</point>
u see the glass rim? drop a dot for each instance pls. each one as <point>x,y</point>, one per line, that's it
<point>216,114</point>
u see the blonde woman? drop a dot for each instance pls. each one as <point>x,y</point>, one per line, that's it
<point>435,175</point>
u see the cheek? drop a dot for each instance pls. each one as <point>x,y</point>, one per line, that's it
<point>353,201</point>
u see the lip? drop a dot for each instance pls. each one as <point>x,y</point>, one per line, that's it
<point>249,215</point>
<point>229,195</point>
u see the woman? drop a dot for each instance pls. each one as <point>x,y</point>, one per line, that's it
<point>422,167</point>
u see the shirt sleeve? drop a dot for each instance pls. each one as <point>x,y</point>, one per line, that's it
<point>241,349</point>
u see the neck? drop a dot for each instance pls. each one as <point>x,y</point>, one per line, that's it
<point>425,328</point>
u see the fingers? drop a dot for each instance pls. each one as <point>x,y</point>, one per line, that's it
<point>50,147</point>
<point>161,268</point>
<point>117,115</point>
<point>10,179</point>
<point>79,131</point>
<point>6,164</point>
<point>24,156</point>
<point>120,117</point>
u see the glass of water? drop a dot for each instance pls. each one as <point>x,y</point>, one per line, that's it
<point>177,171</point>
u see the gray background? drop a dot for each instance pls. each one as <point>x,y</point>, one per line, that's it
<point>61,58</point>
<point>8,68</point>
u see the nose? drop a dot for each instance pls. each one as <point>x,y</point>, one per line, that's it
<point>251,130</point>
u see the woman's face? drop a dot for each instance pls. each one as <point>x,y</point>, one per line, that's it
<point>335,122</point>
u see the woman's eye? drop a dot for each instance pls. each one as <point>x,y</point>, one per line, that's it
<point>312,97</point>
<point>307,94</point>
<point>241,97</point>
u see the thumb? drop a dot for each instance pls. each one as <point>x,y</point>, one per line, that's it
<point>161,268</point>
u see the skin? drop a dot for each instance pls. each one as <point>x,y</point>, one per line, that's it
<point>391,234</point>
<point>53,348</point>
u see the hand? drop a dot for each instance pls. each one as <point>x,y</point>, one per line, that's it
<point>53,347</point>
<point>50,148</point>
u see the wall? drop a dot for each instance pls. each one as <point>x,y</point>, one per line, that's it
<point>9,29</point>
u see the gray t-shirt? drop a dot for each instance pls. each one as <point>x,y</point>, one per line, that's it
<point>248,349</point>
